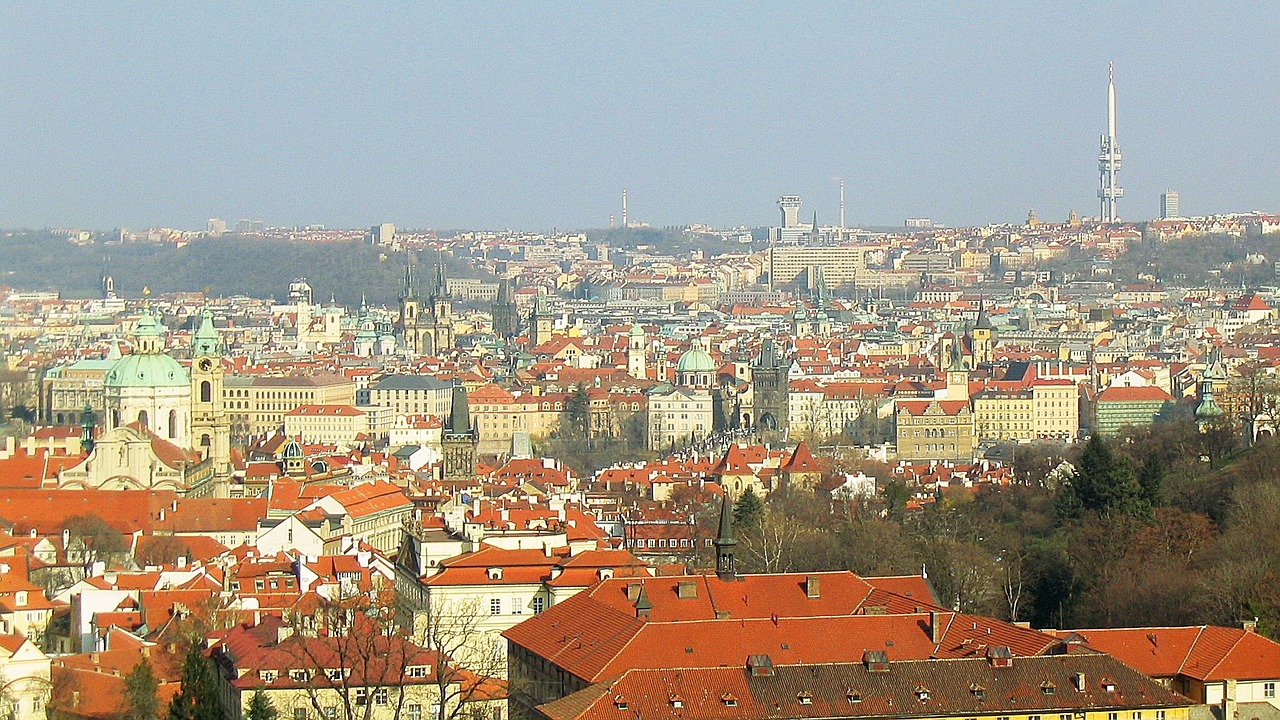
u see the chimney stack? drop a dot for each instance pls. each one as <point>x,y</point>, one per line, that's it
<point>935,627</point>
<point>812,587</point>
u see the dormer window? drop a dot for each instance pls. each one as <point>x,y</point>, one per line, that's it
<point>1048,688</point>
<point>729,700</point>
<point>300,676</point>
<point>1108,685</point>
<point>853,696</point>
<point>676,701</point>
<point>805,698</point>
<point>978,691</point>
<point>620,702</point>
<point>267,676</point>
<point>922,693</point>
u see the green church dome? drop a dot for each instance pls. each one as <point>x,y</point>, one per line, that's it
<point>696,360</point>
<point>147,370</point>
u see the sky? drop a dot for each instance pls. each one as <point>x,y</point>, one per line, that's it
<point>536,115</point>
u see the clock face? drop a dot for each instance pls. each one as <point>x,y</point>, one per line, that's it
<point>206,364</point>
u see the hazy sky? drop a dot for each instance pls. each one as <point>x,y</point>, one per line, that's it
<point>537,114</point>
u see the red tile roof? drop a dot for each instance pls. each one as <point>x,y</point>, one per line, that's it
<point>597,633</point>
<point>1202,652</point>
<point>1134,394</point>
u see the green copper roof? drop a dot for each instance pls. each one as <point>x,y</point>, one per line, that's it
<point>206,341</point>
<point>148,370</point>
<point>696,360</point>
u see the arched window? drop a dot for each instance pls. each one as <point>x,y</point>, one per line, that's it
<point>173,424</point>
<point>205,441</point>
<point>142,419</point>
<point>206,391</point>
<point>115,418</point>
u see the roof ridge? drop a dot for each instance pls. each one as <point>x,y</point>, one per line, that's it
<point>1192,647</point>
<point>1221,659</point>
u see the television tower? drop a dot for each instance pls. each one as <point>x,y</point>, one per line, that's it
<point>1109,157</point>
<point>841,202</point>
<point>624,208</point>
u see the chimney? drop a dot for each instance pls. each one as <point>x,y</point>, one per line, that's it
<point>633,591</point>
<point>935,627</point>
<point>1250,625</point>
<point>687,589</point>
<point>812,588</point>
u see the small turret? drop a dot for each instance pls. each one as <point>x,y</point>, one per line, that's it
<point>86,428</point>
<point>725,542</point>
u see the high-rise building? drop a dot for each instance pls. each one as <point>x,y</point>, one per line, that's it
<point>217,227</point>
<point>840,264</point>
<point>384,234</point>
<point>1170,204</point>
<point>1109,193</point>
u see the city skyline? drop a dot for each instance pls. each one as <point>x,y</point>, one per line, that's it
<point>537,117</point>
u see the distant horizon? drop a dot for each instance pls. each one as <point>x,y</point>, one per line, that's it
<point>539,115</point>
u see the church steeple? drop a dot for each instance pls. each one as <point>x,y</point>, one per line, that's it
<point>725,542</point>
<point>206,342</point>
<point>407,290</point>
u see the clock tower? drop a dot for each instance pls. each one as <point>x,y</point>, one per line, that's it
<point>210,428</point>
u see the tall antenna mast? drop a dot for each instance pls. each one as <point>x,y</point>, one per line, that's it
<point>1109,158</point>
<point>841,202</point>
<point>624,208</point>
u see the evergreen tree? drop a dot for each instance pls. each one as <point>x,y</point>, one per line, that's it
<point>140,698</point>
<point>577,410</point>
<point>198,697</point>
<point>1151,478</point>
<point>748,512</point>
<point>260,708</point>
<point>1103,483</point>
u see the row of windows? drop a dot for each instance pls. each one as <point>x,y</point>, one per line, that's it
<point>660,542</point>
<point>936,447</point>
<point>538,605</point>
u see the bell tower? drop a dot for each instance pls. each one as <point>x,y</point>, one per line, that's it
<point>636,365</point>
<point>210,426</point>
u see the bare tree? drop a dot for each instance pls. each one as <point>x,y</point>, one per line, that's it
<point>1251,394</point>
<point>355,659</point>
<point>468,656</point>
<point>768,547</point>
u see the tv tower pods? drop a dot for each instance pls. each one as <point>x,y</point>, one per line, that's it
<point>1109,157</point>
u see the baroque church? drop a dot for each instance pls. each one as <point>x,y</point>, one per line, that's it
<point>164,427</point>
